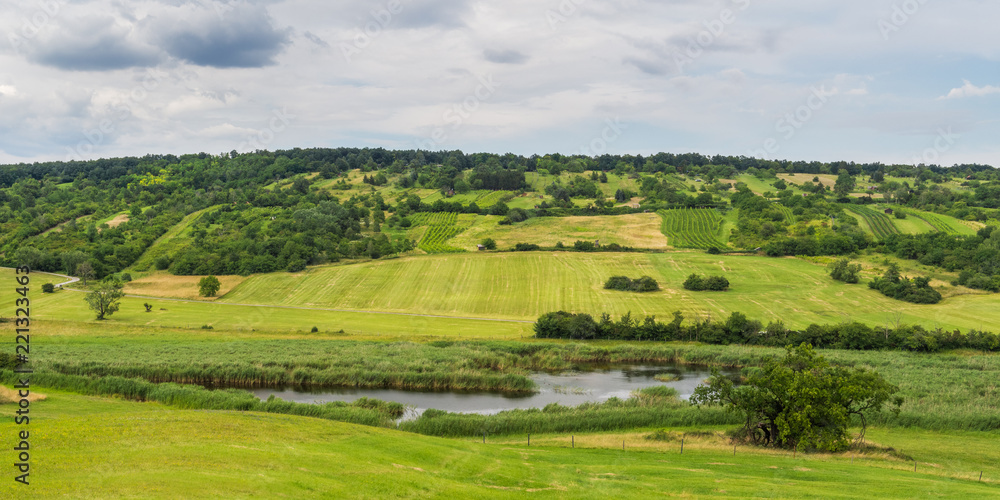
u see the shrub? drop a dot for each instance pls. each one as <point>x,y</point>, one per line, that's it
<point>697,283</point>
<point>489,244</point>
<point>843,270</point>
<point>48,288</point>
<point>526,247</point>
<point>626,284</point>
<point>314,330</point>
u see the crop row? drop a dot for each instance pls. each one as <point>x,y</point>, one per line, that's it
<point>880,224</point>
<point>490,198</point>
<point>787,212</point>
<point>434,219</point>
<point>693,227</point>
<point>939,224</point>
<point>436,237</point>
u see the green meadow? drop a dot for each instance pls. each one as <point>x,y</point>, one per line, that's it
<point>91,447</point>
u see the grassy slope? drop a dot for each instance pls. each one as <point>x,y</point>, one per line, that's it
<point>523,286</point>
<point>175,239</point>
<point>88,447</point>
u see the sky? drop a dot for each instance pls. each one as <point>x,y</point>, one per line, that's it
<point>896,81</point>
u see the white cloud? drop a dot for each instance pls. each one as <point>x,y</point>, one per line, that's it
<point>970,90</point>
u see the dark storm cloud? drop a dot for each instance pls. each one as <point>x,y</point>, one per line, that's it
<point>106,52</point>
<point>92,44</point>
<point>504,56</point>
<point>244,37</point>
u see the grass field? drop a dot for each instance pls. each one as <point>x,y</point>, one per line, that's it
<point>634,230</point>
<point>91,447</point>
<point>166,285</point>
<point>523,286</point>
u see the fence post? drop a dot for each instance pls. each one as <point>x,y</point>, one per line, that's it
<point>529,439</point>
<point>980,476</point>
<point>682,446</point>
<point>484,437</point>
<point>623,445</point>
<point>572,440</point>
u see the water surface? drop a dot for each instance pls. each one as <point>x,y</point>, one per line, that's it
<point>591,384</point>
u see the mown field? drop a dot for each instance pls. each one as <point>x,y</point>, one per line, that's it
<point>521,287</point>
<point>524,286</point>
<point>92,447</point>
<point>634,230</point>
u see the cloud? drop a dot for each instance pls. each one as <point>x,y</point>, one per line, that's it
<point>504,56</point>
<point>970,90</point>
<point>316,39</point>
<point>243,37</point>
<point>93,44</point>
<point>428,13</point>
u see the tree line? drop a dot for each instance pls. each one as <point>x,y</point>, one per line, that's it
<point>739,329</point>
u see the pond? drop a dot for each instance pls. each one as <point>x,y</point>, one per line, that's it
<point>591,383</point>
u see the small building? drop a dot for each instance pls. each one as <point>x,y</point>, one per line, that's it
<point>481,248</point>
<point>888,211</point>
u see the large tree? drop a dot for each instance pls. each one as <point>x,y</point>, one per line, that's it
<point>210,285</point>
<point>802,400</point>
<point>106,298</point>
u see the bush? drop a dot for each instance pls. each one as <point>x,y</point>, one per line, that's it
<point>625,284</point>
<point>314,330</point>
<point>526,247</point>
<point>893,284</point>
<point>489,244</point>
<point>712,283</point>
<point>48,288</point>
<point>843,270</point>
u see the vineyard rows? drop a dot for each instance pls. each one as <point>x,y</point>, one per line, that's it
<point>934,221</point>
<point>490,198</point>
<point>436,237</point>
<point>434,219</point>
<point>693,228</point>
<point>787,212</point>
<point>880,224</point>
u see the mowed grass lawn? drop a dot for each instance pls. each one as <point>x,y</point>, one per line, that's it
<point>91,447</point>
<point>522,286</point>
<point>633,230</point>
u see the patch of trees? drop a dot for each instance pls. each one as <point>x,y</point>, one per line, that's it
<point>626,284</point>
<point>893,284</point>
<point>739,329</point>
<point>977,257</point>
<point>844,270</point>
<point>698,283</point>
<point>801,401</point>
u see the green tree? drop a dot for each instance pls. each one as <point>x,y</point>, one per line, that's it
<point>843,270</point>
<point>845,184</point>
<point>106,298</point>
<point>209,286</point>
<point>85,271</point>
<point>802,401</point>
<point>489,244</point>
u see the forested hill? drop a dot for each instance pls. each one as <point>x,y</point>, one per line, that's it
<point>266,211</point>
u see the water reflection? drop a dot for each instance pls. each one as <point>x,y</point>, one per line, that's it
<point>592,383</point>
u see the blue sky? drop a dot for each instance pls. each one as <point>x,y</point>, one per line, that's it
<point>877,80</point>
